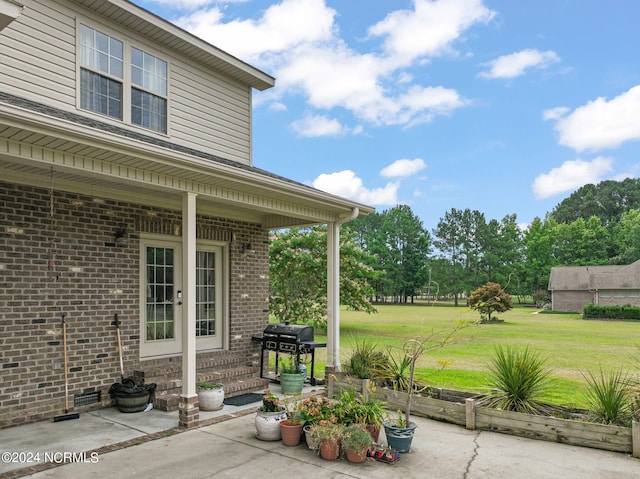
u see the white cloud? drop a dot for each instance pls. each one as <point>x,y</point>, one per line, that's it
<point>570,176</point>
<point>554,113</point>
<point>515,64</point>
<point>602,124</point>
<point>428,29</point>
<point>403,168</point>
<point>355,86</point>
<point>313,126</point>
<point>281,27</point>
<point>277,106</point>
<point>298,42</point>
<point>346,184</point>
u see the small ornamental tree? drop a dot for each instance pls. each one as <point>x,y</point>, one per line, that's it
<point>488,299</point>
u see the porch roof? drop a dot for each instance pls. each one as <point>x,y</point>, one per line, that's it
<point>40,144</point>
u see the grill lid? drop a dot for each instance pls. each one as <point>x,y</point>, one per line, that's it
<point>300,332</point>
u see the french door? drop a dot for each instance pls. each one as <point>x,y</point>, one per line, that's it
<point>161,297</point>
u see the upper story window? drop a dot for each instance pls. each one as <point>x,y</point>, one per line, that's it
<point>107,86</point>
<point>101,58</point>
<point>148,91</point>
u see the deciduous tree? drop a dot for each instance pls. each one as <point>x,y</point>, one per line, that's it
<point>488,299</point>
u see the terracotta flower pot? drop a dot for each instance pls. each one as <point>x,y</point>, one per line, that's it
<point>291,433</point>
<point>329,449</point>
<point>356,456</point>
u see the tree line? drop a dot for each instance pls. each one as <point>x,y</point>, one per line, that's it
<point>596,225</point>
<point>390,256</point>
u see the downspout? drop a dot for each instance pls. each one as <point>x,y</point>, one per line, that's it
<point>333,289</point>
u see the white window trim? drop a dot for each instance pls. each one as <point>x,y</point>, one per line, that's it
<point>126,77</point>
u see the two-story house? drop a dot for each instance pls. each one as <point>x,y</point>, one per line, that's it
<point>127,188</point>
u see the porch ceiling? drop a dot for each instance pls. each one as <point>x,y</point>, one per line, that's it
<point>38,150</point>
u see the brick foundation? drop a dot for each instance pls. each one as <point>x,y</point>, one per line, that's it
<point>188,411</point>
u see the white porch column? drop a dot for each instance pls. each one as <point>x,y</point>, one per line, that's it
<point>333,296</point>
<point>333,290</point>
<point>188,409</point>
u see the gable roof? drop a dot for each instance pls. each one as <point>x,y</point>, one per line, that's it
<point>625,277</point>
<point>583,278</point>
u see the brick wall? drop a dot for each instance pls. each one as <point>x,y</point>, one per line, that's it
<point>60,264</point>
<point>572,301</point>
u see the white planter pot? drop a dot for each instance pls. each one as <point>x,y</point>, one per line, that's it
<point>211,399</point>
<point>268,425</point>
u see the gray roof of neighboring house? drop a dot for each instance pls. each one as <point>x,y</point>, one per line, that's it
<point>581,278</point>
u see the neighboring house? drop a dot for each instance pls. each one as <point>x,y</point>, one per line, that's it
<point>127,188</point>
<point>573,287</point>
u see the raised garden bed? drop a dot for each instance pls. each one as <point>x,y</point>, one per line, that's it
<point>461,408</point>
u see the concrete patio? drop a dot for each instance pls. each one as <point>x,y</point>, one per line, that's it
<point>148,444</point>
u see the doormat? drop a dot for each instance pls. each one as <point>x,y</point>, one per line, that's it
<point>243,399</point>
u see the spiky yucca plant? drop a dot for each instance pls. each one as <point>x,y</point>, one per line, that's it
<point>609,398</point>
<point>518,380</point>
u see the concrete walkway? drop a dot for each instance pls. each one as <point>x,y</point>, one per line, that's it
<point>148,445</point>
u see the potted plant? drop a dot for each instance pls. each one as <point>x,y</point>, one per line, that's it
<point>312,410</point>
<point>292,376</point>
<point>347,407</point>
<point>400,432</point>
<point>268,418</point>
<point>328,436</point>
<point>356,441</point>
<point>210,396</point>
<point>291,428</point>
<point>372,413</point>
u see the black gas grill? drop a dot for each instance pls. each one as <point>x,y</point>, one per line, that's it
<point>290,339</point>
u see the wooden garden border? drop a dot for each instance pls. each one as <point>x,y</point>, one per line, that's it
<point>465,412</point>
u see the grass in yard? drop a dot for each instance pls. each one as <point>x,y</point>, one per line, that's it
<point>571,346</point>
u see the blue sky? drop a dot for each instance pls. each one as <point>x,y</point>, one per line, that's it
<point>501,106</point>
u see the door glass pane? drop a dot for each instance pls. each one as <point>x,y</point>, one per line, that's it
<point>160,317</point>
<point>205,293</point>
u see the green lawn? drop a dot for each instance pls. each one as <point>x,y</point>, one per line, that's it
<point>570,345</point>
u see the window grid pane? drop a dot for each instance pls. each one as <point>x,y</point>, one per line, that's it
<point>148,110</point>
<point>148,72</point>
<point>101,52</point>
<point>160,317</point>
<point>100,94</point>
<point>205,293</point>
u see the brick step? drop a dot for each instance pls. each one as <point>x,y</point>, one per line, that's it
<point>223,376</point>
<point>221,361</point>
<point>228,376</point>
<point>168,400</point>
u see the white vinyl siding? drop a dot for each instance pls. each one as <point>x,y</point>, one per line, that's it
<point>38,56</point>
<point>206,110</point>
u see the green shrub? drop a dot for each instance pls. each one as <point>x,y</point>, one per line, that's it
<point>596,311</point>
